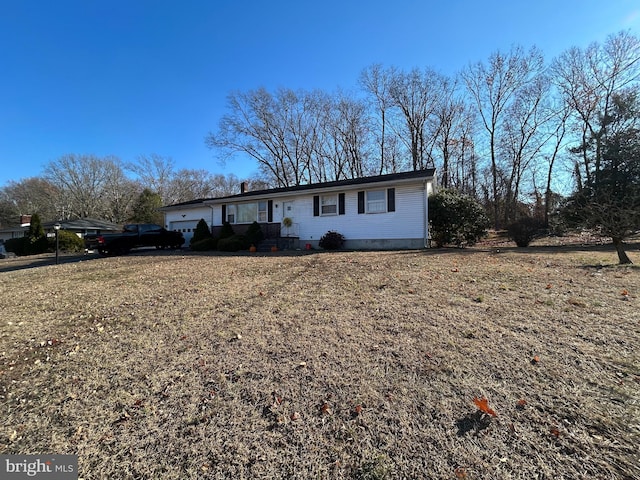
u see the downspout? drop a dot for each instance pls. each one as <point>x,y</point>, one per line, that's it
<point>211,224</point>
<point>426,214</point>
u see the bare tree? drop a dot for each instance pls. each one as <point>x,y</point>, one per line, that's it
<point>523,138</point>
<point>556,134</point>
<point>28,196</point>
<point>82,181</point>
<point>269,128</point>
<point>450,129</point>
<point>342,140</point>
<point>119,193</point>
<point>588,80</point>
<point>416,94</point>
<point>156,173</point>
<point>376,82</point>
<point>493,87</point>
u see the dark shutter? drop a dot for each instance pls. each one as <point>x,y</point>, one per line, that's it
<point>360,202</point>
<point>341,204</point>
<point>224,213</point>
<point>316,206</point>
<point>391,200</point>
<point>270,211</point>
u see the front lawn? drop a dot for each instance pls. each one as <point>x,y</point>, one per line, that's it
<point>359,365</point>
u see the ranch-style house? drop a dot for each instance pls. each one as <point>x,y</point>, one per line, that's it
<point>380,212</point>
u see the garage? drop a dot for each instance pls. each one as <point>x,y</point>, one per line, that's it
<point>186,227</point>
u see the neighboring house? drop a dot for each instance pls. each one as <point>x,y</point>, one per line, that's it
<point>81,227</point>
<point>84,226</point>
<point>381,212</point>
<point>13,232</point>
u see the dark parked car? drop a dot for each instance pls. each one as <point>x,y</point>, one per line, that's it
<point>133,236</point>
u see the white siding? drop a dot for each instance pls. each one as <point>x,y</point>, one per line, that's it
<point>405,226</point>
<point>407,222</point>
<point>186,220</point>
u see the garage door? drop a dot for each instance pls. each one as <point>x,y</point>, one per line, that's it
<point>186,227</point>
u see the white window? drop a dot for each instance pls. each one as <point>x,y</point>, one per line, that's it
<point>262,211</point>
<point>231,214</point>
<point>329,205</point>
<point>376,201</point>
<point>247,212</point>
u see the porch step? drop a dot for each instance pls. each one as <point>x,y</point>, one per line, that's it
<point>283,243</point>
<point>265,245</point>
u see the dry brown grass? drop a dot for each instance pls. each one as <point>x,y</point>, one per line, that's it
<point>345,365</point>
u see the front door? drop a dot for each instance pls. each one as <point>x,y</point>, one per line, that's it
<point>288,229</point>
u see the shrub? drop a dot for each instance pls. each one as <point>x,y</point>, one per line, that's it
<point>524,230</point>
<point>233,243</point>
<point>226,231</point>
<point>67,242</point>
<point>331,240</point>
<point>205,244</point>
<point>456,219</point>
<point>37,240</point>
<point>201,232</point>
<point>17,245</point>
<point>36,245</point>
<point>254,234</point>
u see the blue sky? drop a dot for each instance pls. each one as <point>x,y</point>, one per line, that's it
<point>137,77</point>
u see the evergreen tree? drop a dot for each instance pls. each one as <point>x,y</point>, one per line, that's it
<point>201,232</point>
<point>456,219</point>
<point>146,208</point>
<point>608,201</point>
<point>36,239</point>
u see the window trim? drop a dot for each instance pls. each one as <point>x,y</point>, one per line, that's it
<point>334,197</point>
<point>382,201</point>
<point>230,212</point>
<point>389,199</point>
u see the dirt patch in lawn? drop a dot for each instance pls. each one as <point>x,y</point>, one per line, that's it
<point>327,365</point>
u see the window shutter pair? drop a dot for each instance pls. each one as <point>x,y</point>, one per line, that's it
<point>316,205</point>
<point>391,200</point>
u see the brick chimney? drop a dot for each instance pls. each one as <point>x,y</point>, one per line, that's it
<point>244,187</point>
<point>25,220</point>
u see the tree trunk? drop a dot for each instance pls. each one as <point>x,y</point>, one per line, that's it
<point>623,259</point>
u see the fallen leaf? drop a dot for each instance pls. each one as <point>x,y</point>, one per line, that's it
<point>357,410</point>
<point>624,292</point>
<point>295,416</point>
<point>549,286</point>
<point>460,472</point>
<point>483,405</point>
<point>521,403</point>
<point>554,431</point>
<point>325,409</point>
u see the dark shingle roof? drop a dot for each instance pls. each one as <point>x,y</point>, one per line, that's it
<point>427,173</point>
